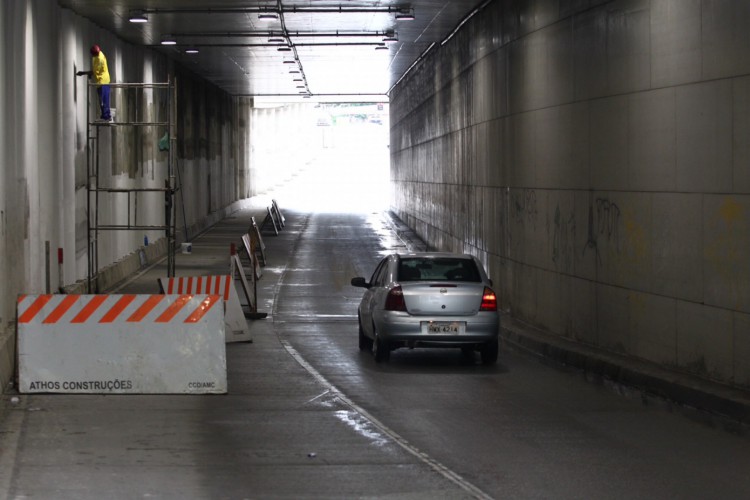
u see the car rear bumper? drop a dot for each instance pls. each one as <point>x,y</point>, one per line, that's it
<point>402,327</point>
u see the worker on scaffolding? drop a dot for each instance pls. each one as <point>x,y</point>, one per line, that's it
<point>100,72</point>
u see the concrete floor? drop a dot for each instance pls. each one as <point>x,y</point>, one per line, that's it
<point>308,415</point>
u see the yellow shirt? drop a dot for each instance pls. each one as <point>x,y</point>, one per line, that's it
<point>99,67</point>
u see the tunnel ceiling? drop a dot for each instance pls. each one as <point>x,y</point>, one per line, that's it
<point>319,49</point>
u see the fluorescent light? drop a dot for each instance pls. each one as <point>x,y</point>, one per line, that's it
<point>191,50</point>
<point>405,14</point>
<point>138,16</point>
<point>390,37</point>
<point>168,40</point>
<point>268,16</point>
<point>284,49</point>
<point>381,46</point>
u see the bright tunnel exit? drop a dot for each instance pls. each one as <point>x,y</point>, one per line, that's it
<point>325,157</point>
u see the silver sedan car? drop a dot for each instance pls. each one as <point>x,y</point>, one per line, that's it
<point>428,299</point>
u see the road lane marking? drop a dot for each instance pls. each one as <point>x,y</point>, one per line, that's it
<point>422,456</point>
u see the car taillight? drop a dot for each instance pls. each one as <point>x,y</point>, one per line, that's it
<point>395,300</point>
<point>489,300</point>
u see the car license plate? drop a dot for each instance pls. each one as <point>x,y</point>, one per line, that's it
<point>443,327</point>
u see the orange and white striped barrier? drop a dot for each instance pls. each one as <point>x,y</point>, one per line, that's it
<point>236,326</point>
<point>122,344</point>
<point>250,251</point>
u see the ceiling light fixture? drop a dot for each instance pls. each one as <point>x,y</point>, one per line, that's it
<point>138,16</point>
<point>390,37</point>
<point>276,39</point>
<point>381,46</point>
<point>290,62</point>
<point>405,14</point>
<point>271,13</point>
<point>284,48</point>
<point>191,50</point>
<point>168,40</point>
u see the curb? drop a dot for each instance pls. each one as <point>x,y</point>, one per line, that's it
<point>698,398</point>
<point>651,382</point>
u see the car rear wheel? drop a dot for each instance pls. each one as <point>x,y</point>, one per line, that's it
<point>365,342</point>
<point>489,352</point>
<point>381,350</point>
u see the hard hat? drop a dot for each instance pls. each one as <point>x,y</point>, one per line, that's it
<point>95,50</point>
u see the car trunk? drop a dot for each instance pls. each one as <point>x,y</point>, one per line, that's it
<point>442,299</point>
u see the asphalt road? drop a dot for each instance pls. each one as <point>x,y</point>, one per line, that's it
<point>520,429</point>
<point>310,416</point>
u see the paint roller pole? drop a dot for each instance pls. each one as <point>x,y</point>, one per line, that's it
<point>168,224</point>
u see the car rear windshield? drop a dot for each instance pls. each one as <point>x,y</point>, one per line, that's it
<point>437,269</point>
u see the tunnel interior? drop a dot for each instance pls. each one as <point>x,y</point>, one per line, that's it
<point>593,155</point>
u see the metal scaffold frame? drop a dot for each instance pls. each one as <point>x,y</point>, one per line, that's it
<point>96,189</point>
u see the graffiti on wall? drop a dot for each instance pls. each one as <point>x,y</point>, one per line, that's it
<point>525,207</point>
<point>563,240</point>
<point>604,222</point>
<point>608,218</point>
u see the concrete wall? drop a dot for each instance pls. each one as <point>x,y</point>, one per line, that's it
<point>596,156</point>
<point>43,155</point>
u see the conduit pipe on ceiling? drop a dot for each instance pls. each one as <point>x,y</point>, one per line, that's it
<point>282,10</point>
<point>443,42</point>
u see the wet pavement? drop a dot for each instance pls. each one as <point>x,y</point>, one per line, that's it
<point>278,433</point>
<point>307,415</point>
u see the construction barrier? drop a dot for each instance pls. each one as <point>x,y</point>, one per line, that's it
<point>121,344</point>
<point>256,240</point>
<point>250,252</point>
<point>250,288</point>
<point>236,326</point>
<point>274,217</point>
<point>279,216</point>
<point>270,219</point>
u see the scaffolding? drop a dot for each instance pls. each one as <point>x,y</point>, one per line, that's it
<point>98,189</point>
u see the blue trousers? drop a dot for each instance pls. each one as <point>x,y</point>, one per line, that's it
<point>103,91</point>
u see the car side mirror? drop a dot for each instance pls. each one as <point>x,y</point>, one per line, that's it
<point>359,281</point>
